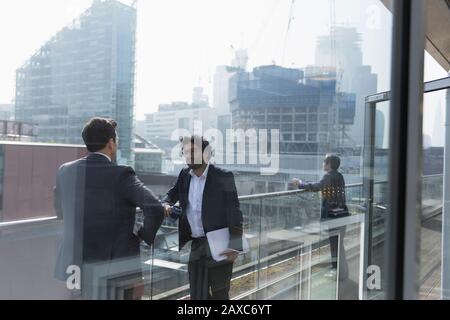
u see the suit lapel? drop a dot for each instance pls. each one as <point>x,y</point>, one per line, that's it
<point>186,188</point>
<point>206,190</point>
<point>185,229</point>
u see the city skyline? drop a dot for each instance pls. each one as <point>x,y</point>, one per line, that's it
<point>164,75</point>
<point>263,36</point>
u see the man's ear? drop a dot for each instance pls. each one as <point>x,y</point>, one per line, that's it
<point>208,153</point>
<point>111,144</point>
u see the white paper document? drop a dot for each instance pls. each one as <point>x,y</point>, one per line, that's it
<point>218,243</point>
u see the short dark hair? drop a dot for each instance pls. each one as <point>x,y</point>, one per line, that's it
<point>333,160</point>
<point>196,140</point>
<point>97,133</point>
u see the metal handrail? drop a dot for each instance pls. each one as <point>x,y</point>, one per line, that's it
<point>20,223</point>
<point>28,222</point>
<point>8,225</point>
<point>270,195</point>
<point>293,192</point>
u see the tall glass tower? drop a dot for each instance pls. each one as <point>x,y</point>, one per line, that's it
<point>87,69</point>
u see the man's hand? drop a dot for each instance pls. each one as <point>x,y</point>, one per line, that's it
<point>136,229</point>
<point>295,183</point>
<point>167,210</point>
<point>230,254</point>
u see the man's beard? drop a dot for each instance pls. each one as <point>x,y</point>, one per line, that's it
<point>114,157</point>
<point>195,166</point>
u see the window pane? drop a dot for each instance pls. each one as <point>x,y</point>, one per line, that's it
<point>432,228</point>
<point>275,92</point>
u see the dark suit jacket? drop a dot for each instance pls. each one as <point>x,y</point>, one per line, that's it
<point>332,187</point>
<point>97,200</point>
<point>220,206</point>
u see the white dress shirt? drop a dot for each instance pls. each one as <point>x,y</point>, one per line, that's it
<point>194,206</point>
<point>103,155</point>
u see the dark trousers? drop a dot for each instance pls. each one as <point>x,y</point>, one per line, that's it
<point>208,279</point>
<point>334,243</point>
<point>337,246</point>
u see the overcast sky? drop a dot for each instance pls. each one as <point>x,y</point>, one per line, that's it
<point>180,42</point>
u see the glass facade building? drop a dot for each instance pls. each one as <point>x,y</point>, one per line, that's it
<point>87,69</point>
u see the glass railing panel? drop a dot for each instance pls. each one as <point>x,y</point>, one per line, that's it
<point>289,257</point>
<point>246,271</point>
<point>288,223</point>
<point>165,267</point>
<point>432,189</point>
<point>323,283</point>
<point>28,257</point>
<point>295,260</point>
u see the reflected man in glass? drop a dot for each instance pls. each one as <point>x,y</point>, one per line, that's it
<point>209,202</point>
<point>332,188</point>
<point>97,200</point>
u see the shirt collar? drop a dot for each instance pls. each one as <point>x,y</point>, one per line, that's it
<point>103,155</point>
<point>204,175</point>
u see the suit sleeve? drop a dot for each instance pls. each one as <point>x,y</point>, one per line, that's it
<point>234,213</point>
<point>140,196</point>
<point>57,198</point>
<point>172,196</point>
<point>318,186</point>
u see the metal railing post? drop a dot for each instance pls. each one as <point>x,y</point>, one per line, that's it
<point>258,284</point>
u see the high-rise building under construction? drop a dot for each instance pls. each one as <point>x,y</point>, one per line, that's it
<point>87,69</point>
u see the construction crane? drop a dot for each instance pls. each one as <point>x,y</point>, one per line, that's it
<point>265,23</point>
<point>291,18</point>
<point>259,35</point>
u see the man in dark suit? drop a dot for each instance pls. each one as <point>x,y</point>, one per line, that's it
<point>209,202</point>
<point>97,200</point>
<point>332,187</point>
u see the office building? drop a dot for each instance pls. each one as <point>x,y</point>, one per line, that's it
<point>85,70</point>
<point>148,157</point>
<point>196,116</point>
<point>300,104</point>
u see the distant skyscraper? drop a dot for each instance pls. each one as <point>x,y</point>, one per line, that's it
<point>221,93</point>
<point>221,85</point>
<point>181,115</point>
<point>87,69</point>
<point>198,97</point>
<point>140,128</point>
<point>221,97</point>
<point>240,59</point>
<point>341,49</point>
